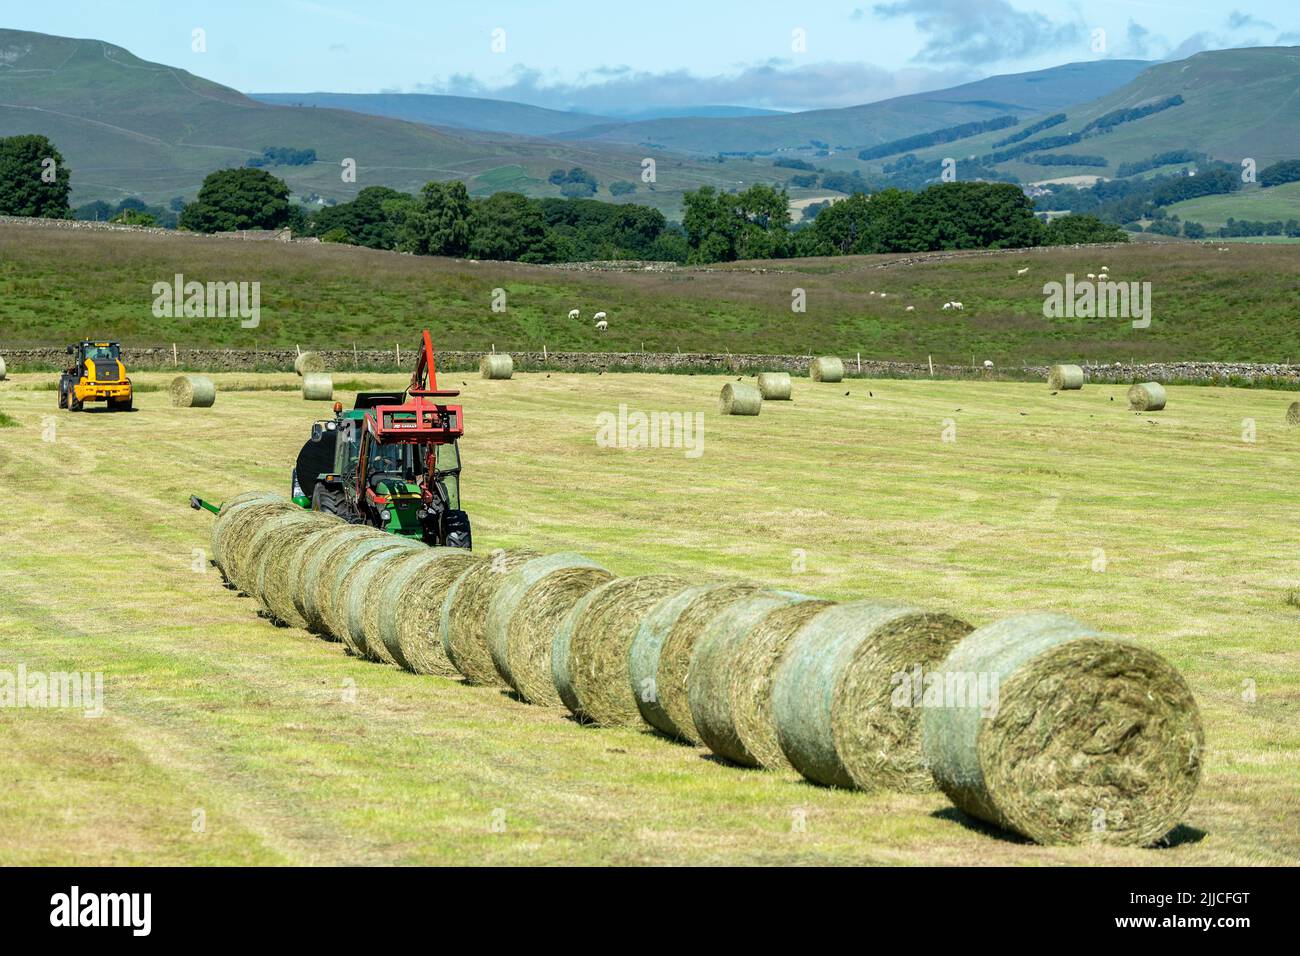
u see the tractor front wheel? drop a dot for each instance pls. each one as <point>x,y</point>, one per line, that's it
<point>63,394</point>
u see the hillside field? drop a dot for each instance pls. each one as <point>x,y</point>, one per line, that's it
<point>59,284</point>
<point>1260,205</point>
<point>209,707</point>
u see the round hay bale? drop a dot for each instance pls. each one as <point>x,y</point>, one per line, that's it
<point>1065,378</point>
<point>589,659</point>
<point>775,386</point>
<point>463,622</point>
<point>335,582</point>
<point>1090,739</point>
<point>316,579</point>
<point>659,658</point>
<point>1146,397</point>
<point>3,373</point>
<point>643,656</point>
<point>240,527</point>
<point>281,574</point>
<point>317,387</point>
<point>309,362</point>
<point>755,663</point>
<point>246,574</point>
<point>222,524</point>
<point>713,692</point>
<point>826,368</point>
<point>193,391</point>
<point>529,605</point>
<point>409,618</point>
<point>1293,413</point>
<point>740,398</point>
<point>359,593</point>
<point>839,716</point>
<point>496,365</point>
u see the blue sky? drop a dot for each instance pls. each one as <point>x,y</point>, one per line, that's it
<point>634,54</point>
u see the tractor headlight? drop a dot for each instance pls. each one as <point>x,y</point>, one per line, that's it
<point>384,516</point>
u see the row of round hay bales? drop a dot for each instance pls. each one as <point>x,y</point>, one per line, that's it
<point>1036,724</point>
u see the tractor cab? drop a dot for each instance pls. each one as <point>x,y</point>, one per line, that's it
<point>392,462</point>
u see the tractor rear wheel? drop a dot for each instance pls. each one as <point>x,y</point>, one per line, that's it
<point>63,393</point>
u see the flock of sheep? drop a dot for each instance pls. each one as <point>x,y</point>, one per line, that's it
<point>602,320</point>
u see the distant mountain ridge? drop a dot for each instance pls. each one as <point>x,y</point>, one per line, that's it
<point>854,127</point>
<point>459,112</point>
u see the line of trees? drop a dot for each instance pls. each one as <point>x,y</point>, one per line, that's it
<point>444,220</point>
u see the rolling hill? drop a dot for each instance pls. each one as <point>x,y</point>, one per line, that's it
<point>1235,103</point>
<point>851,128</point>
<point>128,127</point>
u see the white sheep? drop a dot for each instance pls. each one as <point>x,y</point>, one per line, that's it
<point>1021,272</point>
<point>1091,276</point>
<point>947,306</point>
<point>988,364</point>
<point>602,325</point>
<point>601,316</point>
<point>958,305</point>
<point>910,308</point>
<point>574,313</point>
<point>883,294</point>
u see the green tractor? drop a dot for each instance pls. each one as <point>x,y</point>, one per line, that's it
<point>392,462</point>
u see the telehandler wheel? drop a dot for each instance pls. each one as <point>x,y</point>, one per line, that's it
<point>74,405</point>
<point>63,395</point>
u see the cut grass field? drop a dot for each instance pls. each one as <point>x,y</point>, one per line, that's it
<point>1207,305</point>
<point>1161,527</point>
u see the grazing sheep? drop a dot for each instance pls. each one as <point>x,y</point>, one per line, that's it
<point>910,308</point>
<point>602,325</point>
<point>1021,272</point>
<point>883,294</point>
<point>958,305</point>
<point>600,316</point>
<point>574,313</point>
<point>1091,276</point>
<point>947,306</point>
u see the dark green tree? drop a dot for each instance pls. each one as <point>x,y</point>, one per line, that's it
<point>509,226</point>
<point>233,199</point>
<point>33,178</point>
<point>366,218</point>
<point>437,222</point>
<point>1069,230</point>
